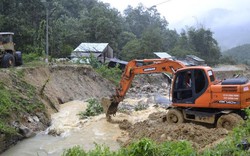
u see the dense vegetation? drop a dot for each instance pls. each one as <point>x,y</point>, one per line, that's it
<point>239,54</point>
<point>136,33</point>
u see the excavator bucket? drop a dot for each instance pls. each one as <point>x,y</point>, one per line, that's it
<point>106,102</point>
<point>109,106</point>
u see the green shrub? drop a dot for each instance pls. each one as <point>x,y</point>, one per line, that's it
<point>101,150</point>
<point>91,60</point>
<point>143,147</point>
<point>30,57</point>
<point>98,151</point>
<point>177,148</point>
<point>6,129</point>
<point>93,108</point>
<point>112,74</point>
<point>74,151</point>
<point>6,103</point>
<point>94,62</point>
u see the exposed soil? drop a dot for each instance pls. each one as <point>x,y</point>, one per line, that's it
<point>61,84</point>
<point>160,131</point>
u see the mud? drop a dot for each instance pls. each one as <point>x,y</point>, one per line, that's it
<point>151,123</point>
<point>160,131</point>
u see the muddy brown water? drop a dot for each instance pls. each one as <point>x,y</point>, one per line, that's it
<point>74,131</point>
<point>84,133</point>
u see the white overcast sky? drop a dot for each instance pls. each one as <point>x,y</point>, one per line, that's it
<point>180,13</point>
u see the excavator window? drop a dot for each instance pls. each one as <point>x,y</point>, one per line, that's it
<point>189,85</point>
<point>199,79</point>
<point>6,39</point>
<point>211,75</point>
<point>183,86</point>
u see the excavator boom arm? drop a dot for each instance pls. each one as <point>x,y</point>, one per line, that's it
<point>154,66</point>
<point>133,68</point>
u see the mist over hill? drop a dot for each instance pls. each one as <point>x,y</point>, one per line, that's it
<point>241,54</point>
<point>231,28</point>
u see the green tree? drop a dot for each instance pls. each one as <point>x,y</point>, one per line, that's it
<point>140,18</point>
<point>151,41</point>
<point>131,50</point>
<point>200,42</point>
<point>104,25</point>
<point>203,42</point>
<point>150,30</point>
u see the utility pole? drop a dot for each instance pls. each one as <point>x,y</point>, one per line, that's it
<point>47,29</point>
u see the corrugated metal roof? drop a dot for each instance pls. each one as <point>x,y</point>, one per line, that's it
<point>195,58</point>
<point>79,54</point>
<point>6,33</point>
<point>118,61</point>
<point>91,47</point>
<point>162,54</point>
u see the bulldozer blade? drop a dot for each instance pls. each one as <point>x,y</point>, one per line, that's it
<point>109,106</point>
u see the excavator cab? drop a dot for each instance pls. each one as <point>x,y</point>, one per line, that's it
<point>188,85</point>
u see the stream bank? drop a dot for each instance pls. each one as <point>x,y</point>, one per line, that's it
<point>30,95</point>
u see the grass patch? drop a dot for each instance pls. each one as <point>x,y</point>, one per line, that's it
<point>20,73</point>
<point>33,60</point>
<point>6,103</point>
<point>30,57</point>
<point>93,108</point>
<point>6,129</point>
<point>17,98</point>
<point>143,147</point>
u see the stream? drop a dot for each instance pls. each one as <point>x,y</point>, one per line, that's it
<point>73,131</point>
<point>84,133</point>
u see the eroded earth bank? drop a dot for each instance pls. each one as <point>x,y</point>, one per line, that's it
<point>30,95</point>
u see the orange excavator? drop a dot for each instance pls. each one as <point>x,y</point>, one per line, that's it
<point>196,94</point>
